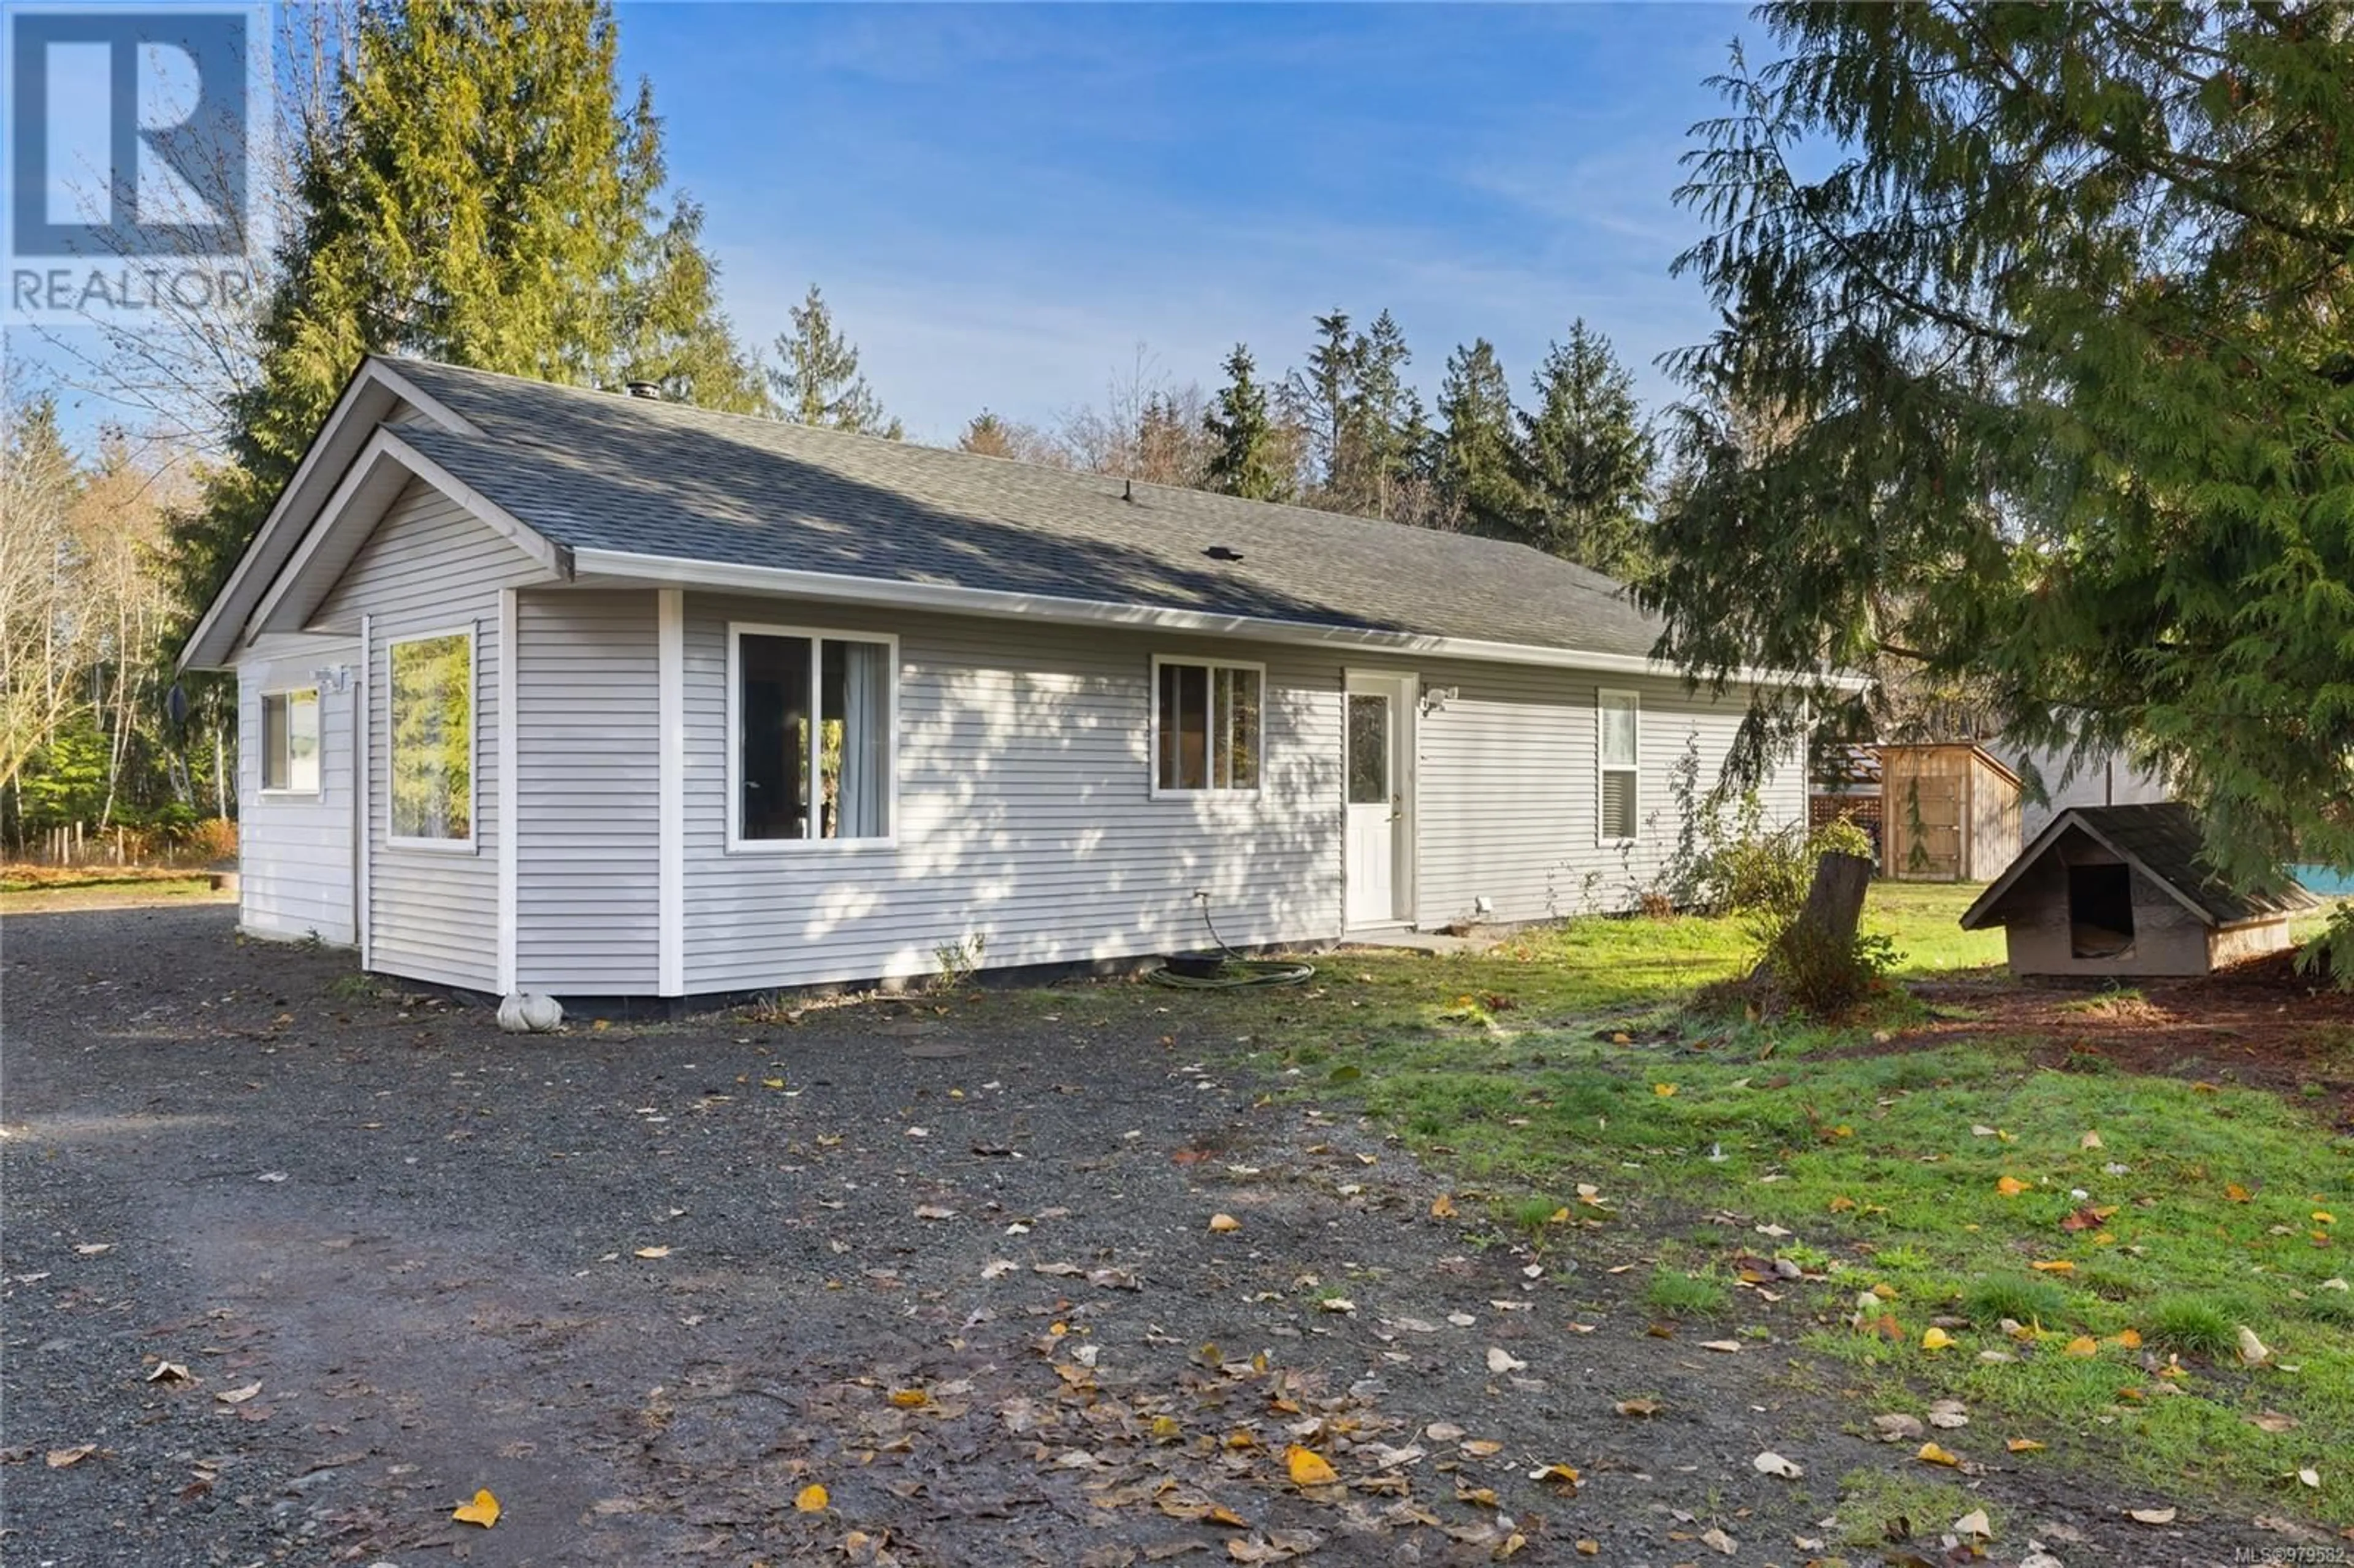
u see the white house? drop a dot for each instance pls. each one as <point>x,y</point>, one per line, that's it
<point>554,689</point>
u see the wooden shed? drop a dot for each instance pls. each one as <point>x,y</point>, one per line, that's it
<point>2126,890</point>
<point>1949,813</point>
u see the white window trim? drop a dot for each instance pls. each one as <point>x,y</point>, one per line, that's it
<point>737,845</point>
<point>1152,729</point>
<point>469,845</point>
<point>286,791</point>
<point>1601,699</point>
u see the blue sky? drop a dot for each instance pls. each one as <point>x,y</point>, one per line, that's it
<point>1001,202</point>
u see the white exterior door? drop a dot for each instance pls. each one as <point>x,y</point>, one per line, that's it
<point>1380,840</point>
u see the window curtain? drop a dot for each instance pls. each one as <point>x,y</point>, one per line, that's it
<point>860,809</point>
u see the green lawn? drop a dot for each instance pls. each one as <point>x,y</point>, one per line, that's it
<point>1943,1177</point>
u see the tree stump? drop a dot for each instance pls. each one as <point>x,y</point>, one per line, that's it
<point>1834,905</point>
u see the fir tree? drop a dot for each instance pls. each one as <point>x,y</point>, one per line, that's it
<point>2062,388</point>
<point>1382,424</point>
<point>1471,465</point>
<point>1583,460</point>
<point>1246,450</point>
<point>817,380</point>
<point>1316,398</point>
<point>481,193</point>
<point>986,434</point>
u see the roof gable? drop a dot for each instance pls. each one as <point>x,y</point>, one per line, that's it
<point>2163,842</point>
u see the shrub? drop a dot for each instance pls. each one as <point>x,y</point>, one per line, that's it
<point>1822,976</point>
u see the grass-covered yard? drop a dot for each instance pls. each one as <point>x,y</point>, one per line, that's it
<point>2071,1247</point>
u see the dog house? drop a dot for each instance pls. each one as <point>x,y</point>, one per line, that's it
<point>1948,812</point>
<point>2126,890</point>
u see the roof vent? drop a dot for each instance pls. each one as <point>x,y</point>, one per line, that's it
<point>650,390</point>
<point>1223,552</point>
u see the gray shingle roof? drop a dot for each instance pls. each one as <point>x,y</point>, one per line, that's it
<point>2163,839</point>
<point>600,471</point>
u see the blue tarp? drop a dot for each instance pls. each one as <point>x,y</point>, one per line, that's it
<point>2323,880</point>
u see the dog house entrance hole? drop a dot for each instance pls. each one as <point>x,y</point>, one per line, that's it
<point>2100,911</point>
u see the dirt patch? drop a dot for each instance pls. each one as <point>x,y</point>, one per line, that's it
<point>2259,1024</point>
<point>648,1285</point>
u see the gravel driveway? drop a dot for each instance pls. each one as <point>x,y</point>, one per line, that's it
<point>650,1285</point>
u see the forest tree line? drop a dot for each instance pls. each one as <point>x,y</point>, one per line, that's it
<point>474,183</point>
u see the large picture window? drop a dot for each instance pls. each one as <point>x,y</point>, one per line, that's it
<point>1205,726</point>
<point>431,698</point>
<point>813,724</point>
<point>1619,743</point>
<point>290,741</point>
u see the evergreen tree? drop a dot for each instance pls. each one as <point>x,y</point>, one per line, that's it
<point>484,195</point>
<point>2059,348</point>
<point>986,434</point>
<point>1246,454</point>
<point>1583,460</point>
<point>817,380</point>
<point>1472,463</point>
<point>1381,425</point>
<point>1316,398</point>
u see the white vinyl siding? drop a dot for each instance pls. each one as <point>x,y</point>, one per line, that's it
<point>587,768</point>
<point>1509,772</point>
<point>294,850</point>
<point>431,566</point>
<point>1023,815</point>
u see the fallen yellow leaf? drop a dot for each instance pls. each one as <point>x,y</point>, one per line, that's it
<point>910,1398</point>
<point>2090,1140</point>
<point>811,1499</point>
<point>2236,1192</point>
<point>1664,1091</point>
<point>1442,1207</point>
<point>1308,1467</point>
<point>1566,1475</point>
<point>2011,1186</point>
<point>2081,1345</point>
<point>2130,1339</point>
<point>2323,1217</point>
<point>483,1511</point>
<point>1224,1223</point>
<point>1841,1206</point>
<point>2024,1446</point>
<point>652,1252</point>
<point>1931,1454</point>
<point>2054,1265</point>
<point>1936,1340</point>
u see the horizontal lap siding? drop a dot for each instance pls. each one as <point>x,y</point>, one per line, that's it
<point>294,852</point>
<point>588,788</point>
<point>1025,815</point>
<point>431,566</point>
<point>1507,805</point>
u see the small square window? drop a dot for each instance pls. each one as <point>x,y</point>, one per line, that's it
<point>1205,726</point>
